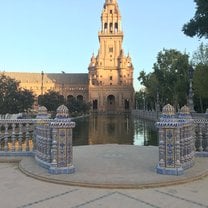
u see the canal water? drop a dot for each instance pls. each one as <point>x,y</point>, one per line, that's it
<point>114,129</point>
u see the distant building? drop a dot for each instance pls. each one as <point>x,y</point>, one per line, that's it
<point>111,72</point>
<point>68,85</point>
<point>108,86</point>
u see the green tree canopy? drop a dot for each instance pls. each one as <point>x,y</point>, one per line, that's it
<point>200,80</point>
<point>77,106</point>
<point>169,79</point>
<point>149,94</point>
<point>200,56</point>
<point>171,71</point>
<point>51,100</point>
<point>13,99</point>
<point>197,26</point>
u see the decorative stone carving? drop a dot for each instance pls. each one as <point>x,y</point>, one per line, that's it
<point>168,111</point>
<point>62,155</point>
<point>185,113</point>
<point>42,112</point>
<point>62,112</point>
<point>176,146</point>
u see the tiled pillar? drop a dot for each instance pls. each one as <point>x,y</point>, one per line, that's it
<point>169,143</point>
<point>62,156</point>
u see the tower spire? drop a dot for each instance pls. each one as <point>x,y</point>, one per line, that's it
<point>110,17</point>
<point>110,1</point>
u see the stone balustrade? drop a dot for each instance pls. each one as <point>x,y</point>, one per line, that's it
<point>54,141</point>
<point>16,137</point>
<point>147,115</point>
<point>201,137</point>
<point>48,140</point>
<point>43,142</point>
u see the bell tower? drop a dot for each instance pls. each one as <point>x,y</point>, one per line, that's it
<point>111,35</point>
<point>111,72</point>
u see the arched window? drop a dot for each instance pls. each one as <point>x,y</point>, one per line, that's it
<point>105,27</point>
<point>70,97</point>
<point>116,27</point>
<point>80,98</point>
<point>126,104</point>
<point>111,27</point>
<point>111,105</point>
<point>95,104</point>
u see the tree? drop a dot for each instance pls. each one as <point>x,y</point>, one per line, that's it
<point>169,79</point>
<point>25,101</point>
<point>200,85</point>
<point>51,100</point>
<point>139,97</point>
<point>171,71</point>
<point>200,79</point>
<point>197,26</point>
<point>149,94</point>
<point>200,56</point>
<point>77,106</point>
<point>200,82</point>
<point>13,99</point>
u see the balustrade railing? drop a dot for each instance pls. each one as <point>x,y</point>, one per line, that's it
<point>16,136</point>
<point>176,141</point>
<point>43,140</point>
<point>181,138</point>
<point>144,114</point>
<point>201,137</point>
<point>200,131</point>
<point>49,140</point>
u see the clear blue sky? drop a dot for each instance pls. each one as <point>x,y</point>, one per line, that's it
<point>61,35</point>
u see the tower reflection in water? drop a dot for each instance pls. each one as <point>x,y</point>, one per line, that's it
<point>114,129</point>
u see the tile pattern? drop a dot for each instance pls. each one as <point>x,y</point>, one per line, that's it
<point>183,199</point>
<point>47,199</point>
<point>110,198</point>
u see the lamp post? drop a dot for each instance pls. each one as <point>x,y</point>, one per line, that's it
<point>190,95</point>
<point>42,74</point>
<point>157,104</point>
<point>62,85</point>
<point>144,107</point>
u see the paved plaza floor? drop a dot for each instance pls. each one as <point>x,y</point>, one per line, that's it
<point>124,174</point>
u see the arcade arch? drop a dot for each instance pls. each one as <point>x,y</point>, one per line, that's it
<point>111,103</point>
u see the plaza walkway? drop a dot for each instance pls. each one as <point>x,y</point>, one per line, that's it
<point>106,176</point>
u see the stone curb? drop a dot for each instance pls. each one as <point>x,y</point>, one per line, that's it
<point>115,186</point>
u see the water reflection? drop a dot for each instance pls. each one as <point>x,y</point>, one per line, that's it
<point>110,129</point>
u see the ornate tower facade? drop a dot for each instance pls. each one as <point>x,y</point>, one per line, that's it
<point>111,72</point>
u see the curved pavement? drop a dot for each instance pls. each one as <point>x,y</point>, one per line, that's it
<point>115,166</point>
